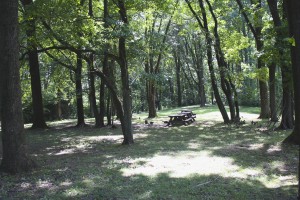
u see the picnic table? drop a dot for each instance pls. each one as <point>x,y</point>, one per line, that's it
<point>189,114</point>
<point>183,118</point>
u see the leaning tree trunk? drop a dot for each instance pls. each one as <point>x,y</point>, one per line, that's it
<point>79,100</point>
<point>226,83</point>
<point>211,67</point>
<point>15,158</point>
<point>34,70</point>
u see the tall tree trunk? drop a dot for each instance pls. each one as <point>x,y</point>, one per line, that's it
<point>272,86</point>
<point>79,100</point>
<point>171,91</point>
<point>126,119</point>
<point>92,92</point>
<point>256,29</point>
<point>226,83</point>
<point>200,75</point>
<point>178,77</point>
<point>105,67</point>
<point>293,7</point>
<point>34,69</point>
<point>211,67</point>
<point>15,158</point>
<point>102,104</point>
<point>287,121</point>
<point>108,110</point>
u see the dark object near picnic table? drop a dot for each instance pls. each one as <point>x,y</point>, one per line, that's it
<point>184,118</point>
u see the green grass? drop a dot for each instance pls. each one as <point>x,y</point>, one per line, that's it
<point>204,160</point>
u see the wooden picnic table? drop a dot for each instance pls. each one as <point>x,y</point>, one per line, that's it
<point>180,118</point>
<point>189,113</point>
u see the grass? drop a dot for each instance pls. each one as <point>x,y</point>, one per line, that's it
<point>204,160</point>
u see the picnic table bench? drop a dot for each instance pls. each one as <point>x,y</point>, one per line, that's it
<point>189,114</point>
<point>183,118</point>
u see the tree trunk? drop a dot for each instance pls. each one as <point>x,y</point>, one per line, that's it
<point>15,158</point>
<point>171,91</point>
<point>263,86</point>
<point>79,100</point>
<point>200,76</point>
<point>272,69</point>
<point>226,83</point>
<point>256,30</point>
<point>150,90</point>
<point>287,118</point>
<point>211,67</point>
<point>126,119</point>
<point>102,104</point>
<point>287,121</point>
<point>108,110</point>
<point>178,78</point>
<point>92,92</point>
<point>293,7</point>
<point>34,69</point>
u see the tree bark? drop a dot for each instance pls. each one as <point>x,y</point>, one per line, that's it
<point>287,120</point>
<point>293,7</point>
<point>126,119</point>
<point>272,87</point>
<point>178,78</point>
<point>92,92</point>
<point>15,157</point>
<point>79,100</point>
<point>256,30</point>
<point>210,65</point>
<point>200,75</point>
<point>34,70</point>
<point>226,83</point>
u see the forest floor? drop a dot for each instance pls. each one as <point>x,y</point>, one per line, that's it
<point>204,160</point>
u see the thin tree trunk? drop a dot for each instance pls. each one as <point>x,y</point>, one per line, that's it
<point>211,67</point>
<point>102,104</point>
<point>79,100</point>
<point>178,78</point>
<point>200,75</point>
<point>108,110</point>
<point>92,92</point>
<point>15,158</point>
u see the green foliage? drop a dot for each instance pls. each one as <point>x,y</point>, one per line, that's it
<point>233,42</point>
<point>261,74</point>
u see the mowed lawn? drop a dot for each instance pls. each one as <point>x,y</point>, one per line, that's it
<point>204,160</point>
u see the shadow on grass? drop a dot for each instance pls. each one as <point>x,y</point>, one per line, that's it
<point>202,161</point>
